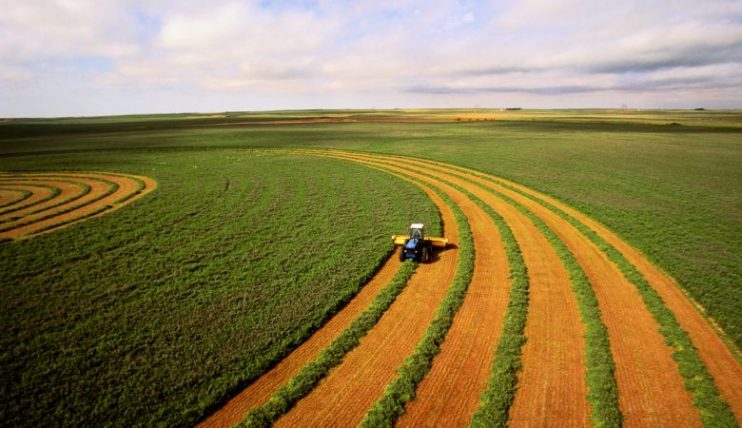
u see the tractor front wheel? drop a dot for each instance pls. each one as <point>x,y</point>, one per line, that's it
<point>401,254</point>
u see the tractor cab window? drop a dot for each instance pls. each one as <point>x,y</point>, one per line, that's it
<point>416,234</point>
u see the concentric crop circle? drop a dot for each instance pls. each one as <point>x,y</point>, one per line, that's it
<point>32,203</point>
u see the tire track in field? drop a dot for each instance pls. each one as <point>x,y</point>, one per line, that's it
<point>71,197</point>
<point>555,392</point>
<point>258,392</point>
<point>344,396</point>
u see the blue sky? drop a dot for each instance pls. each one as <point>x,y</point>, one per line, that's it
<point>86,57</point>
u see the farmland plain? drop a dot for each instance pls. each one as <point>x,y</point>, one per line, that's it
<point>667,182</point>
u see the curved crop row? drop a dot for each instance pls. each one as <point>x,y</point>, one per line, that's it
<point>501,391</point>
<point>312,373</point>
<point>391,405</point>
<point>713,409</point>
<point>602,385</point>
<point>73,197</point>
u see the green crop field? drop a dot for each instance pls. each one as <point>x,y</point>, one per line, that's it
<point>162,310</point>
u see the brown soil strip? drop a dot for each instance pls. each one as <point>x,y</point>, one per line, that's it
<point>651,390</point>
<point>261,389</point>
<point>718,358</point>
<point>38,195</point>
<point>85,207</point>
<point>552,385</point>
<point>349,390</point>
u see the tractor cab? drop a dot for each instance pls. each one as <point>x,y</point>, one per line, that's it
<point>416,231</point>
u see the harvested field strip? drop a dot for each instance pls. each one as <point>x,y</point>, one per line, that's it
<point>99,189</point>
<point>449,394</point>
<point>13,196</point>
<point>69,192</point>
<point>706,363</point>
<point>403,389</point>
<point>311,374</point>
<point>259,391</point>
<point>553,318</point>
<point>350,389</point>
<point>72,197</point>
<point>41,194</point>
<point>693,337</point>
<point>706,397</point>
<point>602,395</point>
<point>638,400</point>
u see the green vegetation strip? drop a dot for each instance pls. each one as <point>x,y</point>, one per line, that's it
<point>402,390</point>
<point>113,187</point>
<point>310,375</point>
<point>25,194</point>
<point>500,393</point>
<point>714,411</point>
<point>54,194</point>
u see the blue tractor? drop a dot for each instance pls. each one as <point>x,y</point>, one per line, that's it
<point>416,246</point>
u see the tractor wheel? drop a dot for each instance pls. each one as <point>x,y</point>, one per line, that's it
<point>425,257</point>
<point>401,254</point>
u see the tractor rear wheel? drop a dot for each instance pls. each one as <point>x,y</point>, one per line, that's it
<point>425,255</point>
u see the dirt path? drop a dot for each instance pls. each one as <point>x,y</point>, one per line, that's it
<point>553,376</point>
<point>261,389</point>
<point>98,201</point>
<point>344,396</point>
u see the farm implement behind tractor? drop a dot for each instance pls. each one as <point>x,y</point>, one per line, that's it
<point>416,245</point>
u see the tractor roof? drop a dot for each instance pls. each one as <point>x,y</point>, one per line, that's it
<point>416,226</point>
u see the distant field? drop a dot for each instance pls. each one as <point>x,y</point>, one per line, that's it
<point>129,287</point>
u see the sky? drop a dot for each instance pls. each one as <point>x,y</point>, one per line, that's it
<point>100,57</point>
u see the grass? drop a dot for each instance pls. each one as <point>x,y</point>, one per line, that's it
<point>311,374</point>
<point>401,390</point>
<point>159,312</point>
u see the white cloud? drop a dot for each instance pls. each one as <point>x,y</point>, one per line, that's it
<point>367,51</point>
